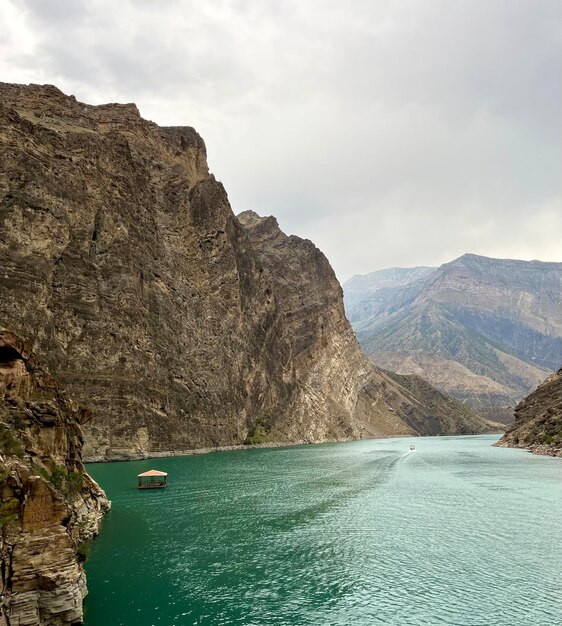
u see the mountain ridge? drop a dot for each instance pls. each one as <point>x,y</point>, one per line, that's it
<point>498,318</point>
<point>182,328</point>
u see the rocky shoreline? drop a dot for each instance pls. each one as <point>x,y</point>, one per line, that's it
<point>50,507</point>
<point>538,420</point>
<point>195,451</point>
<point>540,449</point>
<point>251,446</point>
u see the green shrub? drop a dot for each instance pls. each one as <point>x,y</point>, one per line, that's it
<point>83,550</point>
<point>15,417</point>
<point>67,483</point>
<point>74,483</point>
<point>9,445</point>
<point>9,512</point>
<point>58,477</point>
<point>260,435</point>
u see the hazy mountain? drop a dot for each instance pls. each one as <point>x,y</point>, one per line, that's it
<point>485,330</point>
<point>362,287</point>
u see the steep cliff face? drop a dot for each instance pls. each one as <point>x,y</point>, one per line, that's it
<point>336,380</point>
<point>538,420</point>
<point>126,269</point>
<point>337,393</point>
<point>50,507</point>
<point>486,331</point>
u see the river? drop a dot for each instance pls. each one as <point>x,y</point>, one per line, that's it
<point>456,533</point>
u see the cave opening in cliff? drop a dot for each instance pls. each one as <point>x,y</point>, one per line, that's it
<point>9,354</point>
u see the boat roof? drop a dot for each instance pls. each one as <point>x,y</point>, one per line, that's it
<point>152,472</point>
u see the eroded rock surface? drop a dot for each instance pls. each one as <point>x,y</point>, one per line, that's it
<point>50,508</point>
<point>538,420</point>
<point>125,267</point>
<point>336,380</point>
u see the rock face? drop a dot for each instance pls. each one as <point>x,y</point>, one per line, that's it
<point>336,378</point>
<point>445,415</point>
<point>486,331</point>
<point>126,269</point>
<point>538,420</point>
<point>50,507</point>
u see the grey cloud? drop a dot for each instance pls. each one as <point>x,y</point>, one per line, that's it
<point>58,11</point>
<point>392,132</point>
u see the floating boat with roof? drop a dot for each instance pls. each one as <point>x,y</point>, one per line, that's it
<point>153,479</point>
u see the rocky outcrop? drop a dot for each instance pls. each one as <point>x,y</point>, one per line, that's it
<point>486,331</point>
<point>445,415</point>
<point>126,269</point>
<point>50,508</point>
<point>538,420</point>
<point>336,380</point>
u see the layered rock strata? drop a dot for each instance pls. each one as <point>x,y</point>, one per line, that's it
<point>50,508</point>
<point>538,420</point>
<point>328,358</point>
<point>487,331</point>
<point>444,414</point>
<point>125,267</point>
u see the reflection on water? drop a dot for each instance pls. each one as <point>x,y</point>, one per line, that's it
<point>455,533</point>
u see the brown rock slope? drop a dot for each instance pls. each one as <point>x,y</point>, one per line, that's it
<point>328,358</point>
<point>50,507</point>
<point>538,420</point>
<point>124,266</point>
<point>446,415</point>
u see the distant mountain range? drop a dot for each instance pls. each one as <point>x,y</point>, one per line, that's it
<point>487,331</point>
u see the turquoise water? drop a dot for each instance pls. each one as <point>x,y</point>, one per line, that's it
<point>456,533</point>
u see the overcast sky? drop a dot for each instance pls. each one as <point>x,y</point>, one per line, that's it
<point>390,132</point>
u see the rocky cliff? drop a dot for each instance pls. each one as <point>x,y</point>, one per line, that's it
<point>327,356</point>
<point>444,414</point>
<point>484,330</point>
<point>50,508</point>
<point>126,269</point>
<point>538,420</point>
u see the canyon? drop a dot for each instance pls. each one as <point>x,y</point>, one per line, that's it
<point>179,325</point>
<point>140,317</point>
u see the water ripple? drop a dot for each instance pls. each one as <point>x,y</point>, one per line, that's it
<point>455,534</point>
